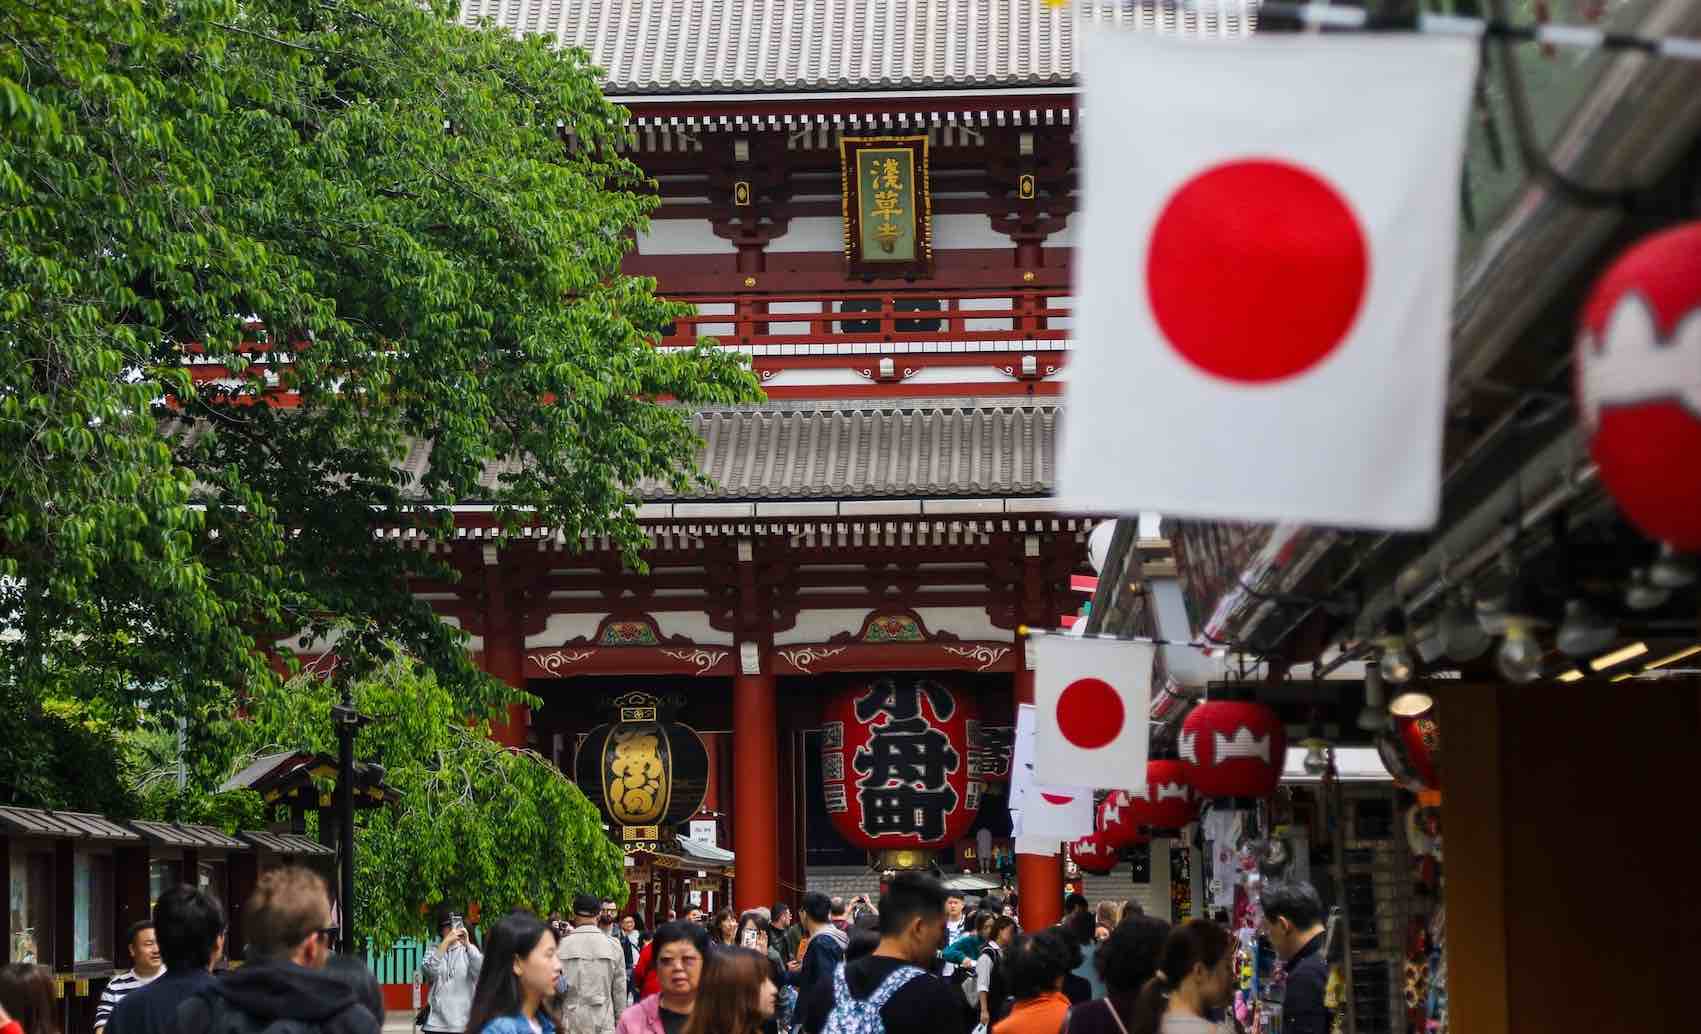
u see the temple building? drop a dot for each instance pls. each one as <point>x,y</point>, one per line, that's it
<point>874,202</point>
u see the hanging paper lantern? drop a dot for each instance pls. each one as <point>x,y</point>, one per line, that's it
<point>1092,854</point>
<point>1233,748</point>
<point>1169,801</point>
<point>645,772</point>
<point>1114,821</point>
<point>895,758</point>
<point>1638,381</point>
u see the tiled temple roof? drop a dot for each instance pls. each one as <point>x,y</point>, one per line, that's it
<point>747,46</point>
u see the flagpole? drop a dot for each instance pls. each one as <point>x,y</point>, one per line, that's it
<point>1105,637</point>
<point>1320,16</point>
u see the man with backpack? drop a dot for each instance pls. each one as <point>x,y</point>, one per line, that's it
<point>283,988</point>
<point>890,990</point>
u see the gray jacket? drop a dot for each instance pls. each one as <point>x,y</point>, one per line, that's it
<point>595,968</point>
<point>453,975</point>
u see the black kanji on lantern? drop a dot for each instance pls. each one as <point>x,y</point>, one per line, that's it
<point>901,703</point>
<point>906,762</point>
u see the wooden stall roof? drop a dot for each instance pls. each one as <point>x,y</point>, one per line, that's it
<point>173,834</point>
<point>72,824</point>
<point>285,843</point>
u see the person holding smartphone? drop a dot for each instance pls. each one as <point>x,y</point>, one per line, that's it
<point>452,966</point>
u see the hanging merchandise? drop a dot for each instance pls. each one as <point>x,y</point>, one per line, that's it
<point>1168,801</point>
<point>1410,749</point>
<point>1092,855</point>
<point>1638,380</point>
<point>1233,748</point>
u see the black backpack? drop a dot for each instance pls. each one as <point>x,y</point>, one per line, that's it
<point>211,1014</point>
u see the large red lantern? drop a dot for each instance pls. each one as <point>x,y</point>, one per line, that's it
<point>1638,380</point>
<point>1169,801</point>
<point>1415,738</point>
<point>1114,821</point>
<point>1233,748</point>
<point>895,761</point>
<point>1092,854</point>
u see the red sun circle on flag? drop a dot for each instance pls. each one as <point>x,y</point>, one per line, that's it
<point>1058,799</point>
<point>1256,270</point>
<point>1089,713</point>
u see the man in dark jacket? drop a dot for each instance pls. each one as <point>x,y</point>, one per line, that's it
<point>284,987</point>
<point>824,943</point>
<point>1293,921</point>
<point>190,926</point>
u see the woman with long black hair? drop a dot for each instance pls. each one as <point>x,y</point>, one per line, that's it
<point>989,972</point>
<point>519,976</point>
<point>723,929</point>
<point>1195,978</point>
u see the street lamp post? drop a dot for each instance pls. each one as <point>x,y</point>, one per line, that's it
<point>348,721</point>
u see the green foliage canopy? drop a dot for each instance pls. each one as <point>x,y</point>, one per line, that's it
<point>476,822</point>
<point>375,207</point>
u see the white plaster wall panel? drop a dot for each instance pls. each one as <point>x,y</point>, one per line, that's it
<point>562,627</point>
<point>986,305</point>
<point>694,625</point>
<point>683,237</point>
<point>811,233</point>
<point>817,626</point>
<point>318,644</point>
<point>951,232</point>
<point>787,308</point>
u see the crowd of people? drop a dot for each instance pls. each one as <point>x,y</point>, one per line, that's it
<point>919,963</point>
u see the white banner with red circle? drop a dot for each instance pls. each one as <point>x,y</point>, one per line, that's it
<point>1091,704</point>
<point>1265,276</point>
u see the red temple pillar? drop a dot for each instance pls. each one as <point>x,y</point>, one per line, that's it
<point>504,650</point>
<point>1039,878</point>
<point>755,789</point>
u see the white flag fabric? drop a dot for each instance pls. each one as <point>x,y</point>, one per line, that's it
<point>1092,703</point>
<point>1042,812</point>
<point>1265,276</point>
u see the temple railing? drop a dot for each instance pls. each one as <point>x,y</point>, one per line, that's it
<point>875,317</point>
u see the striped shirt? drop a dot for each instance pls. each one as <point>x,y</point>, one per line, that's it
<point>120,985</point>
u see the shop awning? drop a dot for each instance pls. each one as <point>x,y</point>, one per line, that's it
<point>1352,765</point>
<point>73,824</point>
<point>697,850</point>
<point>174,834</point>
<point>971,883</point>
<point>285,843</point>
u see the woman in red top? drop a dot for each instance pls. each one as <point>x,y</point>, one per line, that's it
<point>1034,970</point>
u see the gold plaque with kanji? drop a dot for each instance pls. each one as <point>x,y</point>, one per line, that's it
<point>887,205</point>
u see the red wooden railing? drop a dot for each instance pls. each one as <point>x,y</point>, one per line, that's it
<point>874,317</point>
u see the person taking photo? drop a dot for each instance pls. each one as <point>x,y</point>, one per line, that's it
<point>452,966</point>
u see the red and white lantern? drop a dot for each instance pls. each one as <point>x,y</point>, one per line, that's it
<point>1638,381</point>
<point>1115,822</point>
<point>1169,801</point>
<point>1233,748</point>
<point>895,757</point>
<point>1092,854</point>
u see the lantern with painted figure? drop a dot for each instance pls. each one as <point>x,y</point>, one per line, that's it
<point>1233,748</point>
<point>1638,384</point>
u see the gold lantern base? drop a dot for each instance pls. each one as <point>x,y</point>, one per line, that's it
<point>904,859</point>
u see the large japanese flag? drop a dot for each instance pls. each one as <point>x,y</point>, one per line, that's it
<point>1042,812</point>
<point>1092,698</point>
<point>1265,276</point>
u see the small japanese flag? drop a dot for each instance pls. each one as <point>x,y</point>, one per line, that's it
<point>1268,236</point>
<point>1092,698</point>
<point>1043,811</point>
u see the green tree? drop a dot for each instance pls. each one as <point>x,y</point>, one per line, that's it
<point>410,228</point>
<point>476,821</point>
